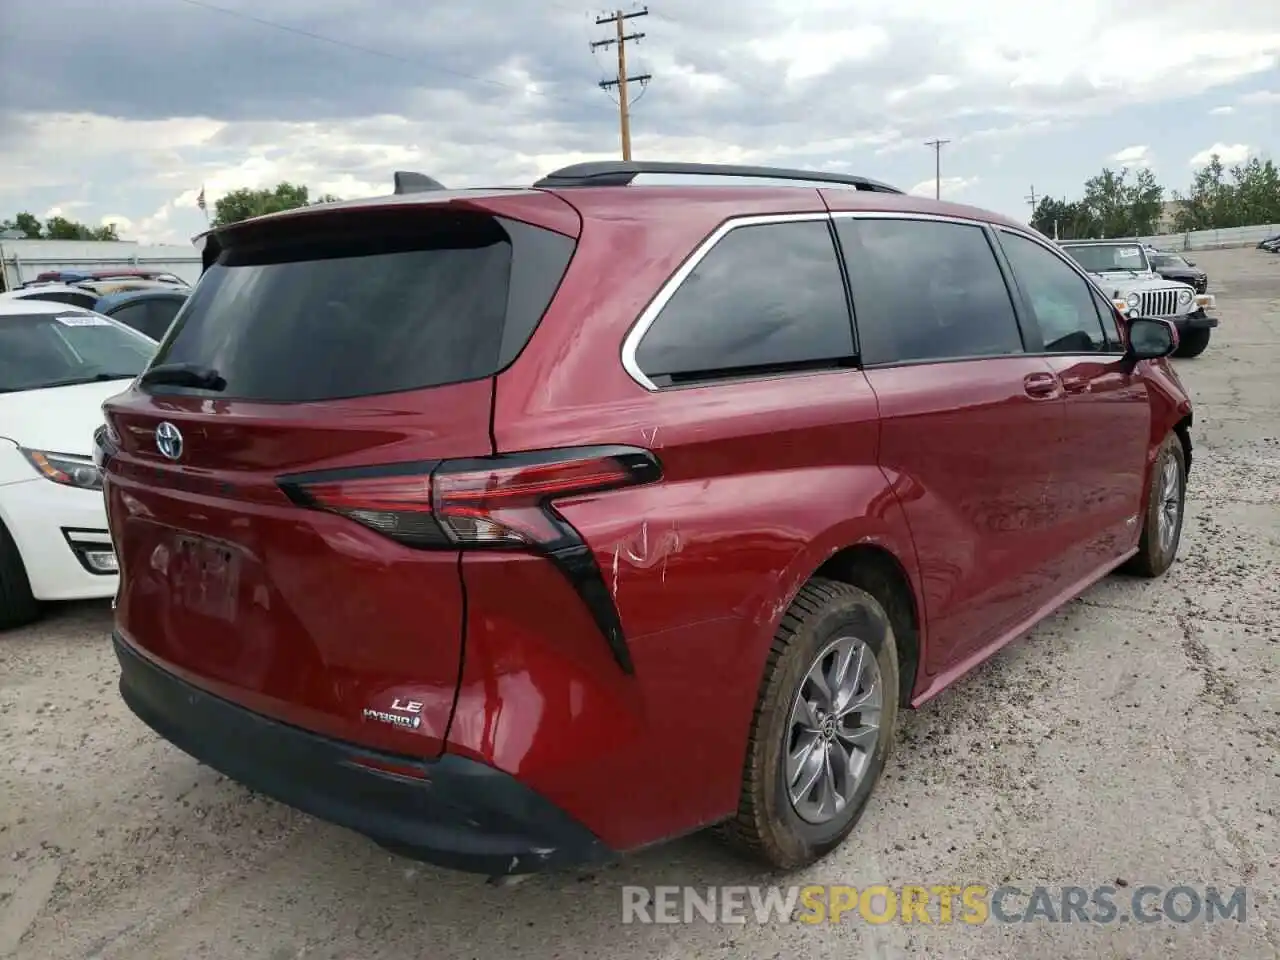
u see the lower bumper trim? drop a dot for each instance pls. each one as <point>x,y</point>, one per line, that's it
<point>451,811</point>
<point>1196,321</point>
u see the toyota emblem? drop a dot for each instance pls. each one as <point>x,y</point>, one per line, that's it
<point>169,440</point>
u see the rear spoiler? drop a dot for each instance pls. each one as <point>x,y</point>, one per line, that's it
<point>406,181</point>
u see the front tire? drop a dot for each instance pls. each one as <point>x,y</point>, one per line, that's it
<point>1193,343</point>
<point>1166,507</point>
<point>822,729</point>
<point>18,606</point>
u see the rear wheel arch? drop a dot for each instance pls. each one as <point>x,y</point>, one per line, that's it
<point>875,569</point>
<point>877,566</point>
<point>1182,429</point>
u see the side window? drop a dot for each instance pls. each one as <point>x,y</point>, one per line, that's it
<point>1060,299</point>
<point>765,297</point>
<point>62,296</point>
<point>133,315</point>
<point>1110,327</point>
<point>926,290</point>
<point>160,314</point>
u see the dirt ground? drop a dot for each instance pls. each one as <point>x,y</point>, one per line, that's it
<point>1132,739</point>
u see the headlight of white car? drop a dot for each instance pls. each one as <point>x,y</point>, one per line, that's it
<point>1132,299</point>
<point>1184,297</point>
<point>70,471</point>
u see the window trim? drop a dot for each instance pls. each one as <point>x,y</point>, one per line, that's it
<point>1099,298</point>
<point>631,343</point>
<point>997,255</point>
<point>1080,272</point>
<point>1028,328</point>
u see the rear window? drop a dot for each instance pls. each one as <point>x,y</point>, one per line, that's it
<point>357,307</point>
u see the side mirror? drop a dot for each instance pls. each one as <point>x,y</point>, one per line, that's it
<point>1150,338</point>
<point>1191,263</point>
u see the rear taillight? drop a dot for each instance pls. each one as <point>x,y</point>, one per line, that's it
<point>500,502</point>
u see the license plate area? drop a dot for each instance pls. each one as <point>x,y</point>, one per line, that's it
<point>205,577</point>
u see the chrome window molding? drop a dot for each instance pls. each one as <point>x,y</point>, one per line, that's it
<point>650,313</point>
<point>1056,251</point>
<point>668,290</point>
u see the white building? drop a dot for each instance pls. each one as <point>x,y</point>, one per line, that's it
<point>23,260</point>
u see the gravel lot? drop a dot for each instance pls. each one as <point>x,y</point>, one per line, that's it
<point>1134,738</point>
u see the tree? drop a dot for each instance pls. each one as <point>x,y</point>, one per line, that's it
<point>1214,202</point>
<point>1146,203</point>
<point>245,203</point>
<point>1257,192</point>
<point>1105,201</point>
<point>1120,208</point>
<point>1063,220</point>
<point>1205,205</point>
<point>58,228</point>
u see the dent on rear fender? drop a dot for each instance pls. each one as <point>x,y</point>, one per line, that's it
<point>670,563</point>
<point>700,570</point>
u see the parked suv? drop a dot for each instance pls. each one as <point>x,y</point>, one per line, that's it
<point>516,528</point>
<point>1125,268</point>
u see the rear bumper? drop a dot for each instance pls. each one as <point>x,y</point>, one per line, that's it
<point>1199,320</point>
<point>452,812</point>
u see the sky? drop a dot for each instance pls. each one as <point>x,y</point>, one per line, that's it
<point>122,112</point>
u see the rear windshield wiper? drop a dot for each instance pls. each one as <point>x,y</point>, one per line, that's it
<point>184,375</point>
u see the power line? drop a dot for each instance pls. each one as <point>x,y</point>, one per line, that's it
<point>937,165</point>
<point>618,19</point>
<point>300,32</point>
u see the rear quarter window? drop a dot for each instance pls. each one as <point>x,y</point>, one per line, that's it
<point>767,298</point>
<point>354,308</point>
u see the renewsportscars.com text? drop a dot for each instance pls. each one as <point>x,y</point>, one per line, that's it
<point>973,903</point>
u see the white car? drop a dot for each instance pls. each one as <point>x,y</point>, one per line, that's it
<point>55,293</point>
<point>58,364</point>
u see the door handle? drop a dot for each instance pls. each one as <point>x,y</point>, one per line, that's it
<point>1040,385</point>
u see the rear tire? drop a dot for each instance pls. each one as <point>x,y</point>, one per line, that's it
<point>778,821</point>
<point>1193,343</point>
<point>18,606</point>
<point>1162,522</point>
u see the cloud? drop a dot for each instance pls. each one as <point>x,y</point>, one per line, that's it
<point>1230,154</point>
<point>1261,98</point>
<point>1222,111</point>
<point>339,94</point>
<point>950,186</point>
<point>1133,157</point>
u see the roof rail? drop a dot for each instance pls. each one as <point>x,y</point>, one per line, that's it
<point>409,182</point>
<point>617,173</point>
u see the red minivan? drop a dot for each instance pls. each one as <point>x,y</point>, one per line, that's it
<point>516,528</point>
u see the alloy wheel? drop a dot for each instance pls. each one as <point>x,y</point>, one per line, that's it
<point>1170,507</point>
<point>833,729</point>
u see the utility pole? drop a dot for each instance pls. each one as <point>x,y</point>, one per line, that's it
<point>937,165</point>
<point>1031,199</point>
<point>624,105</point>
